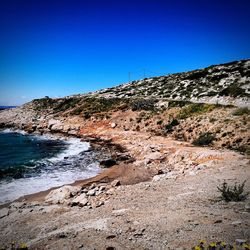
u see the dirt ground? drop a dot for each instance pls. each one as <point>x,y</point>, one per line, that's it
<point>173,204</point>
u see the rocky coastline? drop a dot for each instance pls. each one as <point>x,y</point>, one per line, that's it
<point>162,162</point>
<point>107,211</point>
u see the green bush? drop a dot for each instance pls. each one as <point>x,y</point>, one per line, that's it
<point>235,193</point>
<point>159,122</point>
<point>195,108</point>
<point>204,139</point>
<point>241,111</point>
<point>233,90</point>
<point>143,104</point>
<point>173,123</point>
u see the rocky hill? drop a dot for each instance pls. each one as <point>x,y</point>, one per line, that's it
<point>163,106</point>
<point>226,84</point>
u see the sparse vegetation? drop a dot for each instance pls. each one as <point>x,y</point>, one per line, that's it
<point>159,122</point>
<point>204,139</point>
<point>244,149</point>
<point>169,127</point>
<point>233,90</point>
<point>220,245</point>
<point>13,245</point>
<point>143,104</point>
<point>195,108</point>
<point>241,111</point>
<point>233,193</point>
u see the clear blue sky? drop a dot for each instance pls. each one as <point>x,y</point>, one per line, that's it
<point>62,47</point>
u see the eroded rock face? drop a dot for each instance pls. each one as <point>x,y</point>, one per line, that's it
<point>60,195</point>
<point>55,125</point>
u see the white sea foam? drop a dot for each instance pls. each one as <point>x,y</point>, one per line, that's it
<point>57,176</point>
<point>75,147</point>
<point>19,131</point>
<point>10,191</point>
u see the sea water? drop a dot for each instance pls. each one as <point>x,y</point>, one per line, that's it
<point>30,163</point>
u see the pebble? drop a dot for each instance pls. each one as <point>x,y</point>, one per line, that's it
<point>113,125</point>
<point>91,192</point>
<point>237,222</point>
<point>218,221</point>
<point>115,183</point>
<point>247,207</point>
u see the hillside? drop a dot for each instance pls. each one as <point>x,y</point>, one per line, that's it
<point>227,84</point>
<point>143,106</point>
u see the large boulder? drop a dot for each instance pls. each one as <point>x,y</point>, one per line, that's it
<point>60,195</point>
<point>55,125</point>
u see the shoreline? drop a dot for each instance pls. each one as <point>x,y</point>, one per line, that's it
<point>96,144</point>
<point>170,202</point>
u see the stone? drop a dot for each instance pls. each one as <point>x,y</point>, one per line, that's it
<point>191,173</point>
<point>100,203</point>
<point>218,221</point>
<point>240,241</point>
<point>4,212</point>
<point>113,125</point>
<point>247,207</point>
<point>54,123</point>
<point>60,195</point>
<point>102,188</point>
<point>152,157</point>
<point>91,192</point>
<point>110,191</point>
<point>237,222</point>
<point>80,200</point>
<point>98,192</point>
<point>111,236</point>
<point>93,185</point>
<point>115,183</point>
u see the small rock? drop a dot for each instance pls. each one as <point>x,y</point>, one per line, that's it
<point>113,125</point>
<point>92,186</point>
<point>112,236</point>
<point>60,195</point>
<point>237,222</point>
<point>191,173</point>
<point>100,203</point>
<point>98,193</point>
<point>240,241</point>
<point>110,191</point>
<point>158,177</point>
<point>247,207</point>
<point>218,221</point>
<point>62,235</point>
<point>102,188</point>
<point>115,183</point>
<point>91,192</point>
<point>4,212</point>
<point>80,200</point>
